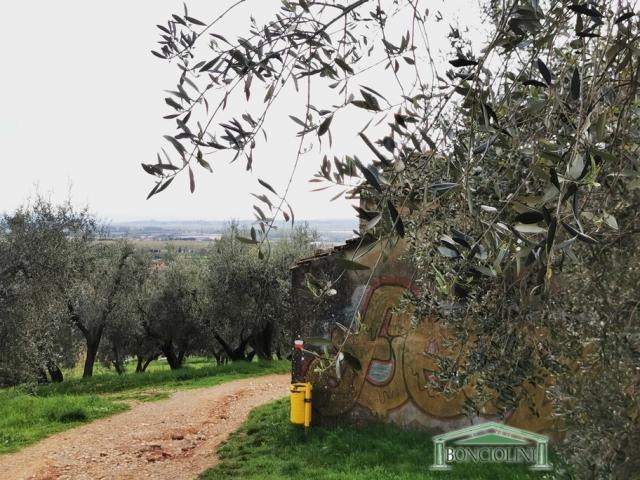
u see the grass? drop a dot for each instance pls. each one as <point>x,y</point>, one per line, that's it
<point>195,373</point>
<point>30,414</point>
<point>267,447</point>
<point>25,419</point>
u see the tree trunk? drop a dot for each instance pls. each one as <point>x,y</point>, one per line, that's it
<point>240,352</point>
<point>181,356</point>
<point>55,373</point>
<point>142,364</point>
<point>219,356</point>
<point>139,364</point>
<point>119,367</point>
<point>169,352</point>
<point>149,360</point>
<point>234,354</point>
<point>90,359</point>
<point>261,342</point>
<point>117,362</point>
<point>227,349</point>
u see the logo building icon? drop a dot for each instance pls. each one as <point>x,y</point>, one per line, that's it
<point>491,442</point>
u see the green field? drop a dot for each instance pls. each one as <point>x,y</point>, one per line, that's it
<point>267,447</point>
<point>28,414</point>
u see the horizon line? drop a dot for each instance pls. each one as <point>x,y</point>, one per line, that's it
<point>129,220</point>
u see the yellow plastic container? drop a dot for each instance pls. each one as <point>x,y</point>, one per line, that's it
<point>300,404</point>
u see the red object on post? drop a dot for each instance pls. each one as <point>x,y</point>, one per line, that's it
<point>298,344</point>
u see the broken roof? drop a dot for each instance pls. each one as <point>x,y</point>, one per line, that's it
<point>348,244</point>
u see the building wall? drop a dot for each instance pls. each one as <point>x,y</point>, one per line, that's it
<point>393,381</point>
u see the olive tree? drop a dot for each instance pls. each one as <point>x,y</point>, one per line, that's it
<point>171,309</point>
<point>124,334</point>
<point>248,298</point>
<point>511,169</point>
<point>40,248</point>
<point>244,298</point>
<point>108,273</point>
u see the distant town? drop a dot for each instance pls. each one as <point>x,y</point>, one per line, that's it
<point>191,236</point>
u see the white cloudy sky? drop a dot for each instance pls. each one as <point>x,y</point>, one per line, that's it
<point>82,106</point>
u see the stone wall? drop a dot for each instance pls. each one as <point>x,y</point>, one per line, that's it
<point>388,374</point>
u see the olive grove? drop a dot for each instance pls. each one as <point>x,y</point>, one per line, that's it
<point>69,295</point>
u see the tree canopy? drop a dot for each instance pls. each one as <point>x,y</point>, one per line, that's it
<point>511,169</point>
<point>68,291</point>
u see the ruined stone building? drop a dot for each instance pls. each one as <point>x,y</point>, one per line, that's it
<point>386,373</point>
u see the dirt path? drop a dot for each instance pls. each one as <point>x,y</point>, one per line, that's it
<point>168,439</point>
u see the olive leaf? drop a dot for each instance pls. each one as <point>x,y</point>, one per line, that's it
<point>544,71</point>
<point>575,84</point>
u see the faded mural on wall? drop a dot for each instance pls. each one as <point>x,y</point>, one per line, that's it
<point>397,378</point>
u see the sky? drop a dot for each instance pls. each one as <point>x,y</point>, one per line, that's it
<point>82,107</point>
